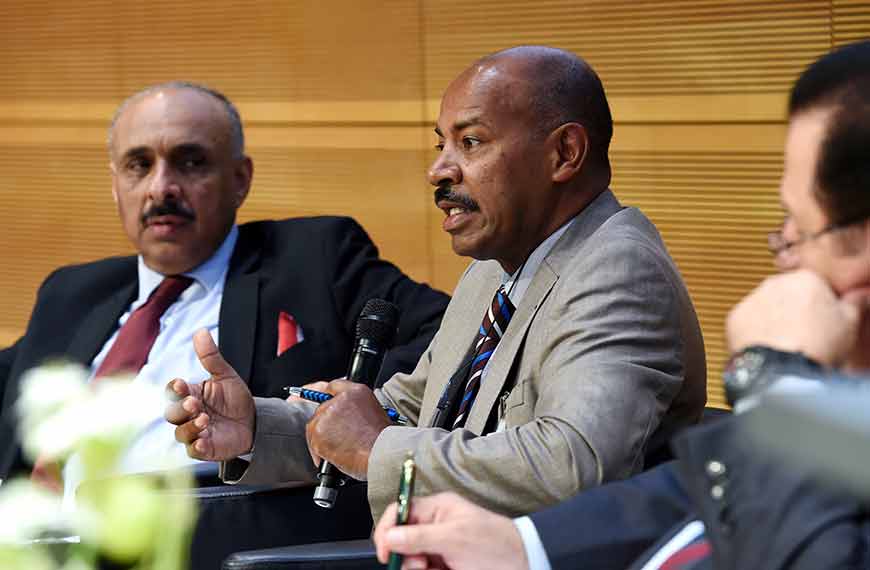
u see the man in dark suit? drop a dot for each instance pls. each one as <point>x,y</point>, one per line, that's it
<point>725,503</point>
<point>281,297</point>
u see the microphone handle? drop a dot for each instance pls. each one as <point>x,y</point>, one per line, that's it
<point>365,363</point>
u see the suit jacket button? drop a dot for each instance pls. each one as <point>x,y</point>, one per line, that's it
<point>717,492</point>
<point>715,468</point>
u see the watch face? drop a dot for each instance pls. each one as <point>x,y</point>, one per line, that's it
<point>747,366</point>
<point>743,372</point>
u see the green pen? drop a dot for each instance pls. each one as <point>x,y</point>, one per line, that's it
<point>406,490</point>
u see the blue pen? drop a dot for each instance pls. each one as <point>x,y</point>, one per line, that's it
<point>320,397</point>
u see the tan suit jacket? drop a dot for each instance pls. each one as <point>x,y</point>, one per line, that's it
<point>603,351</point>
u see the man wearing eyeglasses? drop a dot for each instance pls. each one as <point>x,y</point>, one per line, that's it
<point>723,504</point>
<point>817,306</point>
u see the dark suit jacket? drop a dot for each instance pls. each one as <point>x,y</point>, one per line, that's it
<point>769,515</point>
<point>608,527</point>
<point>319,270</point>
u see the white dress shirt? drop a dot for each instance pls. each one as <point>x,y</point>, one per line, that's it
<point>172,356</point>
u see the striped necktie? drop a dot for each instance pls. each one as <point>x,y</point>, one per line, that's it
<point>493,327</point>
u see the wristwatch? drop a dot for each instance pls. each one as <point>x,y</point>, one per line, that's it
<point>755,367</point>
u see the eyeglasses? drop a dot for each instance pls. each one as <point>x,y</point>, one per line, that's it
<point>847,246</point>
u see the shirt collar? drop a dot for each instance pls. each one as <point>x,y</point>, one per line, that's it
<point>517,283</point>
<point>208,273</point>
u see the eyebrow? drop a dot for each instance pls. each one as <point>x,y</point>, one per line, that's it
<point>135,151</point>
<point>185,148</point>
<point>470,122</point>
<point>462,124</point>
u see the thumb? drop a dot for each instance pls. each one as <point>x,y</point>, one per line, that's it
<point>209,355</point>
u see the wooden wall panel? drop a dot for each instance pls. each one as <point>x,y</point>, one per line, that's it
<point>382,189</point>
<point>56,209</point>
<point>850,21</point>
<point>59,50</point>
<point>637,46</point>
<point>339,98</point>
<point>256,50</point>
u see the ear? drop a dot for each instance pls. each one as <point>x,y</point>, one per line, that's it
<point>570,151</point>
<point>244,173</point>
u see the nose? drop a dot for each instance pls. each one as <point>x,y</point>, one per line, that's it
<point>164,185</point>
<point>444,170</point>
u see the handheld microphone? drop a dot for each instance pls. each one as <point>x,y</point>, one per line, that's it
<point>375,331</point>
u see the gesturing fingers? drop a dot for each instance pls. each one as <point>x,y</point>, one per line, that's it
<point>196,436</point>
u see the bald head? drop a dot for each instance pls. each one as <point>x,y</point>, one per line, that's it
<point>560,88</point>
<point>522,139</point>
<point>233,120</point>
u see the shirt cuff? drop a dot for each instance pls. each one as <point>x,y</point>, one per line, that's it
<point>535,552</point>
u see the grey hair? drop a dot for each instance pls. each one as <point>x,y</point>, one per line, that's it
<point>237,135</point>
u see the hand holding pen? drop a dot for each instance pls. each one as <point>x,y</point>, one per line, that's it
<point>320,397</point>
<point>403,513</point>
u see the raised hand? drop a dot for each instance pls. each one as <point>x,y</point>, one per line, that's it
<point>215,419</point>
<point>798,311</point>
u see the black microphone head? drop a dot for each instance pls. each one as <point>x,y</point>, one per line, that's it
<point>378,322</point>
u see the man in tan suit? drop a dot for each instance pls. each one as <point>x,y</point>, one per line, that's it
<point>590,350</point>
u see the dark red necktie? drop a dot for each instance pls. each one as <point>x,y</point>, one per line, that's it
<point>137,336</point>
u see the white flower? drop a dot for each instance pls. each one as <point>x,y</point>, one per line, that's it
<point>59,412</point>
<point>27,511</point>
<point>119,408</point>
<point>44,392</point>
<point>125,518</point>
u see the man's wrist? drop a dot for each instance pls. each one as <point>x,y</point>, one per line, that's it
<point>536,556</point>
<point>753,368</point>
<point>364,453</point>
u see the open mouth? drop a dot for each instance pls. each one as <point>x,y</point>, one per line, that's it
<point>456,215</point>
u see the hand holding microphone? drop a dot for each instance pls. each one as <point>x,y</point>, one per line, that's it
<point>321,397</point>
<point>346,427</point>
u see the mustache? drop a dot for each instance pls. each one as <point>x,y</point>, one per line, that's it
<point>167,209</point>
<point>445,192</point>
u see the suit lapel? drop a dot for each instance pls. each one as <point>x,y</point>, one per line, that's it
<point>457,333</point>
<point>100,323</point>
<point>239,308</point>
<point>506,353</point>
<point>560,257</point>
